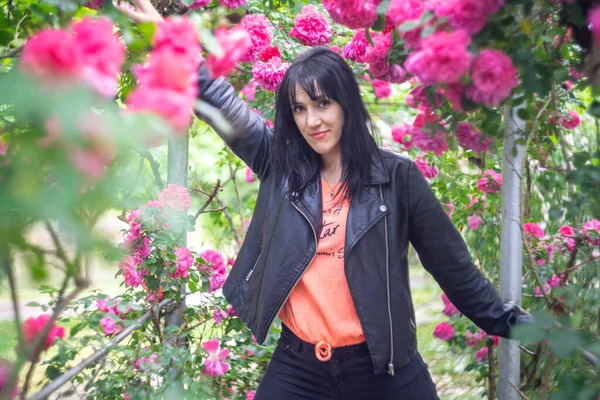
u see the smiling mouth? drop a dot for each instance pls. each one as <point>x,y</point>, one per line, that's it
<point>318,135</point>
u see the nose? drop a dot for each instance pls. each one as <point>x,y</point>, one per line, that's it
<point>313,119</point>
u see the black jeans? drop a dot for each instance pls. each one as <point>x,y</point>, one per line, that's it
<point>294,373</point>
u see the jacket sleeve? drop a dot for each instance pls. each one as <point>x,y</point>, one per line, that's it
<point>250,138</point>
<point>445,256</point>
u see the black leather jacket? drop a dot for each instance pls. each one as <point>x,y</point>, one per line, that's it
<point>396,207</point>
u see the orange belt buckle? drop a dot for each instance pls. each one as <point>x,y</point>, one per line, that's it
<point>323,351</point>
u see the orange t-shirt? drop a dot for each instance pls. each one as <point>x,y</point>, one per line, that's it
<point>320,307</point>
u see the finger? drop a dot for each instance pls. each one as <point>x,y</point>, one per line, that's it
<point>144,5</point>
<point>134,15</point>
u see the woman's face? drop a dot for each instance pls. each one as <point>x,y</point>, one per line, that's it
<point>320,122</point>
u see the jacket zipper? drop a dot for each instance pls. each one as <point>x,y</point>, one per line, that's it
<point>253,266</point>
<point>387,270</point>
<point>305,267</point>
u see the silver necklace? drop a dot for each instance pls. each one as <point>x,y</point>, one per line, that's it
<point>331,191</point>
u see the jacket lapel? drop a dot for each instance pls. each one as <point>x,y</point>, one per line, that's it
<point>365,210</point>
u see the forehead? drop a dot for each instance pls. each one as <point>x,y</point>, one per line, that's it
<point>299,93</point>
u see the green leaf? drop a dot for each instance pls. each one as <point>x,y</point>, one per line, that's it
<point>77,328</point>
<point>528,333</point>
<point>52,372</point>
<point>382,8</point>
<point>564,342</point>
<point>369,37</point>
<point>379,24</point>
<point>409,26</point>
<point>187,2</point>
<point>33,304</point>
<point>210,42</point>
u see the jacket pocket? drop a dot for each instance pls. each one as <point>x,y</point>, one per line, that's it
<point>254,264</point>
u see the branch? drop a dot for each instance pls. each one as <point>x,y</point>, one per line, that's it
<point>531,266</point>
<point>7,265</point>
<point>40,340</point>
<point>518,391</point>
<point>60,251</point>
<point>237,192</point>
<point>11,53</point>
<point>211,196</point>
<point>546,377</point>
<point>156,323</point>
<point>561,139</point>
<point>569,270</point>
<point>230,221</point>
<point>154,165</point>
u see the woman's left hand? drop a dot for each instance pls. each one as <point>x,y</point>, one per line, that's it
<point>144,12</point>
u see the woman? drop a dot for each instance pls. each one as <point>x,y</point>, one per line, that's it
<point>327,247</point>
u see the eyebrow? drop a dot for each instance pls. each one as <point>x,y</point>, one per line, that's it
<point>320,97</point>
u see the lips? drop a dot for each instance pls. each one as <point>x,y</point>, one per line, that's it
<point>318,135</point>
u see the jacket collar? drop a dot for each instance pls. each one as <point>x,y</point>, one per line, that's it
<point>379,172</point>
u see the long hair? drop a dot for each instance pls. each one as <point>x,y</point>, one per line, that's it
<point>320,71</point>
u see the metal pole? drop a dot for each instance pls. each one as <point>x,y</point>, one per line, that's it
<point>177,174</point>
<point>98,354</point>
<point>511,247</point>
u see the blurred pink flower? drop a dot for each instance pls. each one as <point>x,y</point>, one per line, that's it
<point>102,53</point>
<point>249,91</point>
<point>268,75</point>
<point>532,230</point>
<point>401,133</point>
<point>52,55</point>
<point>493,77</point>
<point>449,308</point>
<point>538,291</point>
<point>473,339</point>
<point>109,326</point>
<point>213,365</point>
<point>145,363</point>
<point>174,107</point>
<point>131,274</point>
<point>231,311</point>
<point>250,395</point>
<point>199,4</point>
<point>571,120</point>
<point>567,231</point>
<point>593,237</point>
<point>429,170</point>
<point>474,221</point>
<point>214,260</point>
<point>234,44</point>
<point>3,147</point>
<point>232,4</point>
<point>454,92</point>
<point>421,137</point>
<point>185,261</point>
<point>268,53</point>
<point>261,32</point>
<point>442,58</point>
<point>175,198</point>
<point>311,27</point>
<point>381,88</point>
<point>443,331</point>
<point>554,281</point>
<point>5,370</point>
<point>218,315</point>
<point>376,54</point>
<point>469,15</point>
<point>33,326</point>
<point>490,182</point>
<point>470,138</point>
<point>179,35</point>
<point>449,208</point>
<point>354,14</point>
<point>250,175</point>
<point>594,21</point>
<point>418,98</point>
<point>167,70</point>
<point>217,280</point>
<point>481,354</point>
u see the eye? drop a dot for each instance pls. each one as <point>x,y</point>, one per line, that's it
<point>297,108</point>
<point>324,102</point>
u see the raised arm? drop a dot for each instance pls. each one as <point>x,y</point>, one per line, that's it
<point>444,254</point>
<point>249,137</point>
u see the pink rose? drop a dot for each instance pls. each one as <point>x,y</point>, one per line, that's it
<point>401,133</point>
<point>214,364</point>
<point>443,331</point>
<point>594,21</point>
<point>449,308</point>
<point>33,326</point>
<point>381,88</point>
<point>449,208</point>
<point>355,14</point>
<point>144,364</point>
<point>311,27</point>
<point>470,138</point>
<point>567,231</point>
<point>490,182</point>
<point>493,77</point>
<point>232,4</point>
<point>261,32</point>
<point>180,36</point>
<point>217,280</point>
<point>356,49</point>
<point>108,326</point>
<point>185,260</point>
<point>268,75</point>
<point>421,137</point>
<point>533,230</point>
<point>538,291</point>
<point>218,315</point>
<point>429,170</point>
<point>234,44</point>
<point>268,53</point>
<point>443,58</point>
<point>250,175</point>
<point>473,339</point>
<point>481,354</point>
<point>474,221</point>
<point>174,107</point>
<point>250,395</point>
<point>468,15</point>
<point>199,4</point>
<point>175,198</point>
<point>102,53</point>
<point>454,92</point>
<point>231,311</point>
<point>571,120</point>
<point>554,281</point>
<point>52,55</point>
<point>166,69</point>
<point>131,274</point>
<point>592,231</point>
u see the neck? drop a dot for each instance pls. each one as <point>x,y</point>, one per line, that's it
<point>332,167</point>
